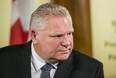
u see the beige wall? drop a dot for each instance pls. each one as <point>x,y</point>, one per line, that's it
<point>103,17</point>
<point>5,12</point>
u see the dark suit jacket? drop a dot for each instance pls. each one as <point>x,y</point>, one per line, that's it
<point>15,63</point>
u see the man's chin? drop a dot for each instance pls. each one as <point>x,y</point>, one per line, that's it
<point>63,57</point>
<point>58,59</point>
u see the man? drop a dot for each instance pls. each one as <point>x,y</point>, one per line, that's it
<point>52,43</point>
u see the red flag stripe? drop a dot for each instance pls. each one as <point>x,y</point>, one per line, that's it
<point>18,35</point>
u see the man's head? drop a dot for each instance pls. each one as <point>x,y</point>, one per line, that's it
<point>51,32</point>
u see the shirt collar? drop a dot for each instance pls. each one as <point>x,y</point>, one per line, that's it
<point>37,61</point>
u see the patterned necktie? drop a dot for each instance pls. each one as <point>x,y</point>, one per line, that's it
<point>46,71</point>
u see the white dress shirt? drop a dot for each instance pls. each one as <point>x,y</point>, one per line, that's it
<point>37,62</point>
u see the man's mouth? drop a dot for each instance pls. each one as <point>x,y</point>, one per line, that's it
<point>64,51</point>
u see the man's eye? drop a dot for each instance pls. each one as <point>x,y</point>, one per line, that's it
<point>56,36</point>
<point>69,33</point>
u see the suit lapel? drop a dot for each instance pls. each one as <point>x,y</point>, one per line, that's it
<point>23,62</point>
<point>64,68</point>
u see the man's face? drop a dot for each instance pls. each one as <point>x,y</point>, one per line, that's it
<point>56,42</point>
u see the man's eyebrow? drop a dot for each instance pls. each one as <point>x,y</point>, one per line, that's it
<point>53,35</point>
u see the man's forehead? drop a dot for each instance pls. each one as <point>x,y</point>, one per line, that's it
<point>62,31</point>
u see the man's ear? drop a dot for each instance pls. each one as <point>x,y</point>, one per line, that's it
<point>34,36</point>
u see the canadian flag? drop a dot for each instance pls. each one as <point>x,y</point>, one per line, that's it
<point>21,13</point>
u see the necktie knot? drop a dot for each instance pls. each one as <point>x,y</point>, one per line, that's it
<point>47,67</point>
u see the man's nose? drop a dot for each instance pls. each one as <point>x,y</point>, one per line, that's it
<point>65,41</point>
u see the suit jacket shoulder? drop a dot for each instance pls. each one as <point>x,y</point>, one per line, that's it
<point>86,66</point>
<point>14,48</point>
<point>81,57</point>
<point>15,61</point>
